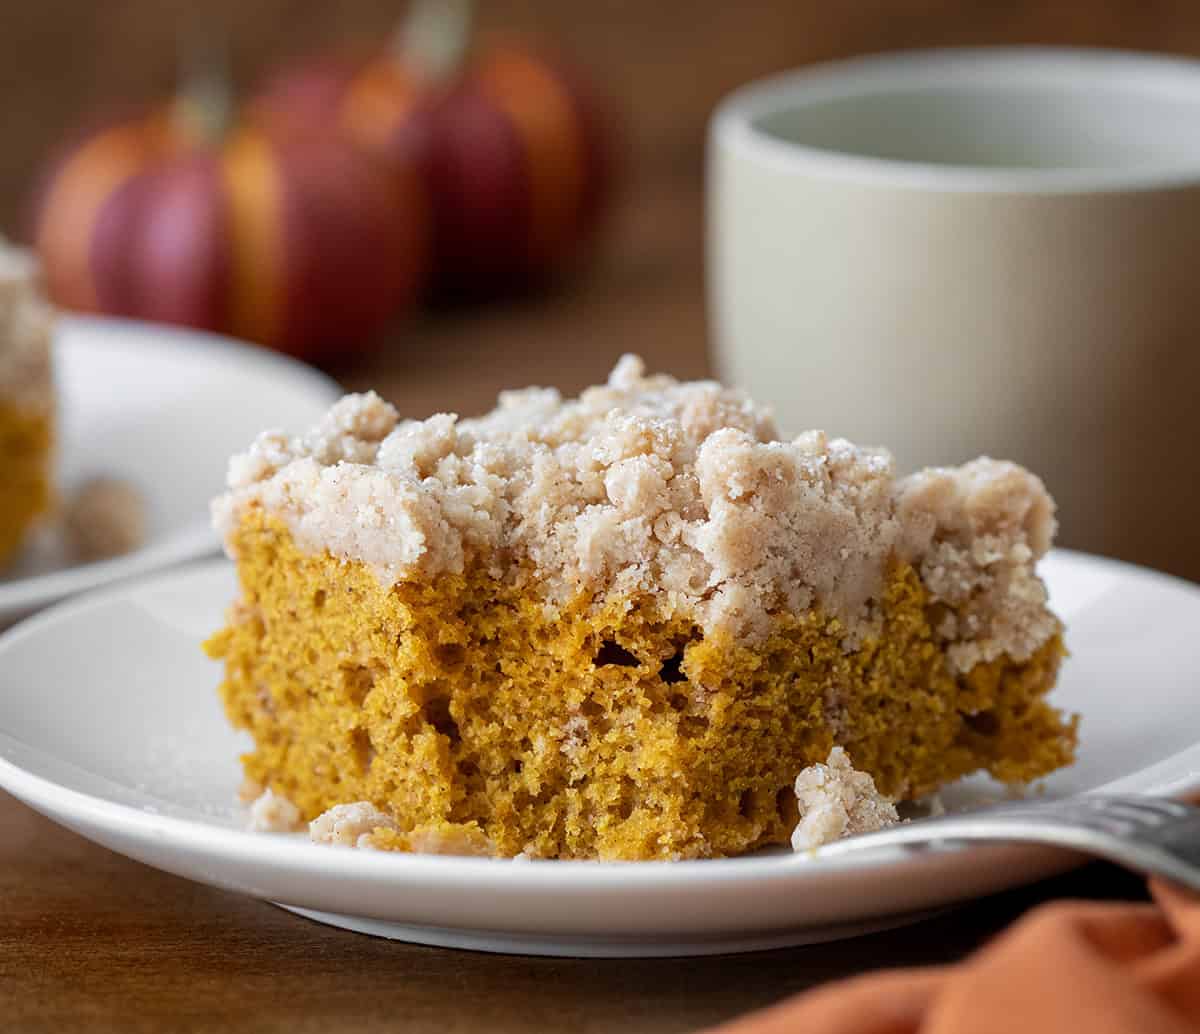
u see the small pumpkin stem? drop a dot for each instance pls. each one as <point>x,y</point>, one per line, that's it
<point>433,37</point>
<point>202,111</point>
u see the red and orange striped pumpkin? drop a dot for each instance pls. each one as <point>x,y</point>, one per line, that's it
<point>287,238</point>
<point>513,147</point>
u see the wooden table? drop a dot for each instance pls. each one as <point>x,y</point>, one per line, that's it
<point>92,941</point>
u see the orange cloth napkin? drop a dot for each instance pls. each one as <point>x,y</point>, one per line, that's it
<point>1095,968</point>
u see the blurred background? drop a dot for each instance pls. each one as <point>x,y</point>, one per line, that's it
<point>660,67</point>
<point>663,66</point>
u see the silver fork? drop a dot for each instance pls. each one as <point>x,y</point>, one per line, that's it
<point>1151,835</point>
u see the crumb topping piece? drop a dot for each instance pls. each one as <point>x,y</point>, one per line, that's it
<point>646,484</point>
<point>271,813</point>
<point>349,825</point>
<point>364,826</point>
<point>26,332</point>
<point>106,517</point>
<point>445,838</point>
<point>836,800</point>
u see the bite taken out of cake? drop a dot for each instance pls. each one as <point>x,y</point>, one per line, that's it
<point>618,626</point>
<point>26,398</point>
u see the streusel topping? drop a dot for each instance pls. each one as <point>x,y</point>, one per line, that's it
<point>349,825</point>
<point>104,517</point>
<point>646,484</point>
<point>26,330</point>
<point>272,813</point>
<point>837,800</point>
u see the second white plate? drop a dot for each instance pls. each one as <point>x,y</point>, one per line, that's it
<point>163,408</point>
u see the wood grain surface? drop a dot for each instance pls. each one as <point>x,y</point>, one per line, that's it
<point>91,941</point>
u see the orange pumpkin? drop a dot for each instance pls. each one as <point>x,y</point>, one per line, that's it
<point>513,148</point>
<point>280,236</point>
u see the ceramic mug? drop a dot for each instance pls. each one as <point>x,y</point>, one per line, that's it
<point>955,253</point>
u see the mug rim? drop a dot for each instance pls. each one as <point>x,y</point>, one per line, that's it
<point>733,127</point>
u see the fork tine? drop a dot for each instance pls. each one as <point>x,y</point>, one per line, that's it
<point>1136,808</point>
<point>1161,805</point>
<point>1134,813</point>
<point>1121,815</point>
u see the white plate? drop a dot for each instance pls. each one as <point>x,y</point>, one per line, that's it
<point>109,724</point>
<point>163,408</point>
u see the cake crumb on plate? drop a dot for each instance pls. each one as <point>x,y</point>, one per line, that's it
<point>455,838</point>
<point>836,800</point>
<point>349,825</point>
<point>362,825</point>
<point>105,518</point>
<point>271,813</point>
